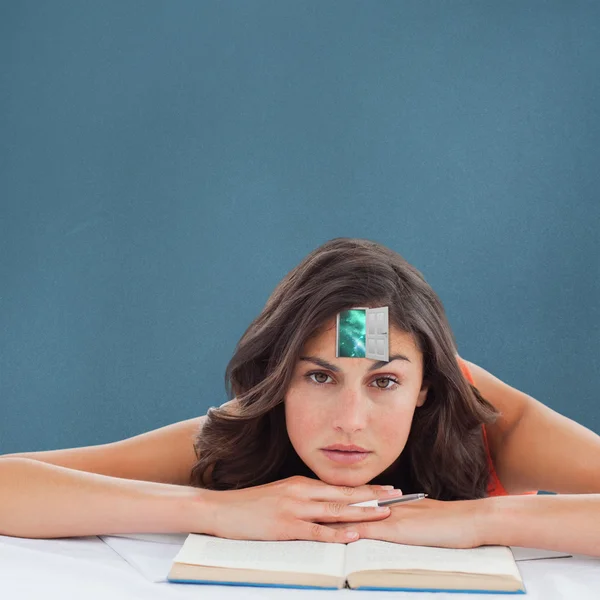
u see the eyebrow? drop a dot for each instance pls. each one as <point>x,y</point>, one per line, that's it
<point>376,365</point>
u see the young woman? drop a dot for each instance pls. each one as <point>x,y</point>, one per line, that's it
<point>262,466</point>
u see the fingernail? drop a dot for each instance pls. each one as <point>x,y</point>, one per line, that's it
<point>395,493</point>
<point>387,487</point>
<point>351,535</point>
<point>382,509</point>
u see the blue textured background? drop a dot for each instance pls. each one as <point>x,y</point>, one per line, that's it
<point>164,165</point>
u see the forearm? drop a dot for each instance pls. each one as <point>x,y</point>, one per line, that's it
<point>562,522</point>
<point>40,500</point>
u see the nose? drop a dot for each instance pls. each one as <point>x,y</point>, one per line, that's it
<point>350,411</point>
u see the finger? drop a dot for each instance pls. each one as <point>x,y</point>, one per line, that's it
<point>322,533</point>
<point>348,494</point>
<point>327,512</point>
<point>344,526</point>
<point>384,492</point>
<point>365,530</point>
<point>339,511</point>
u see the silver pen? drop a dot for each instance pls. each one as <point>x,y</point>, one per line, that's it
<point>408,498</point>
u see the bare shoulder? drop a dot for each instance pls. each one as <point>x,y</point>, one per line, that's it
<point>509,401</point>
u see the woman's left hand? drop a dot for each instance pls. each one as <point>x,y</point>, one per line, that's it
<point>446,524</point>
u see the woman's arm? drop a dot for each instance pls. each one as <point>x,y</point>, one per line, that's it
<point>164,455</point>
<point>40,500</point>
<point>563,522</point>
<point>535,448</point>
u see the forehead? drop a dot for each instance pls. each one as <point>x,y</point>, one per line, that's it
<point>322,341</point>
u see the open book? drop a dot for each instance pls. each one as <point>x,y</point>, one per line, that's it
<point>364,564</point>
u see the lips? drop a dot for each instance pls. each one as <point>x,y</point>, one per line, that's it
<point>346,448</point>
<point>344,456</point>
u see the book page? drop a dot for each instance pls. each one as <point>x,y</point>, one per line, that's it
<point>375,555</point>
<point>295,556</point>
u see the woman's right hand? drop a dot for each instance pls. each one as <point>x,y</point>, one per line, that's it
<point>296,508</point>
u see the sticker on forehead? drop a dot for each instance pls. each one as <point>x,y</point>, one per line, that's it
<point>362,333</point>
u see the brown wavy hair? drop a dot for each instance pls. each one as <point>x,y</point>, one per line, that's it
<point>444,455</point>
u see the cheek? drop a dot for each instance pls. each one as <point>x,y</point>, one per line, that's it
<point>392,428</point>
<point>302,422</point>
<point>299,420</point>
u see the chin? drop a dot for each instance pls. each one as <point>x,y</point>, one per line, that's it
<point>345,476</point>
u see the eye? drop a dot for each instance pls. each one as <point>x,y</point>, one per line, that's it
<point>383,389</point>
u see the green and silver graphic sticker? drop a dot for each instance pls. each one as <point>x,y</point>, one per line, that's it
<point>363,333</point>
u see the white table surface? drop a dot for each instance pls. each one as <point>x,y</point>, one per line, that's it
<point>119,567</point>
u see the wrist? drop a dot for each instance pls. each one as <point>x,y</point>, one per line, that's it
<point>495,521</point>
<point>198,510</point>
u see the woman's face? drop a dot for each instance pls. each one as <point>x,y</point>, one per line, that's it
<point>352,406</point>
